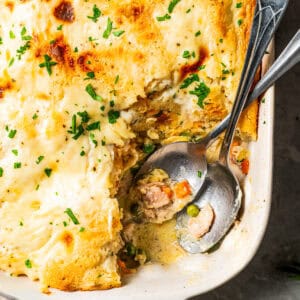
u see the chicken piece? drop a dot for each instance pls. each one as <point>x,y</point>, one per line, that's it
<point>156,194</point>
<point>200,225</point>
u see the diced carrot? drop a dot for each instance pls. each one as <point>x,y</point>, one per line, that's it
<point>245,166</point>
<point>123,267</point>
<point>167,191</point>
<point>182,189</point>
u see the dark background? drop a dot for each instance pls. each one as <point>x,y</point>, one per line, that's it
<point>261,279</point>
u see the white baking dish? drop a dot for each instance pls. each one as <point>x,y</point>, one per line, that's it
<point>194,274</point>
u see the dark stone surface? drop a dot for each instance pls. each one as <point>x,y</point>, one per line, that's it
<point>261,279</point>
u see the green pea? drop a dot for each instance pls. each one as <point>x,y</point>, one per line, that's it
<point>192,210</point>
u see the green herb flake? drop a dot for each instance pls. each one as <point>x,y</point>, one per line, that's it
<point>93,126</point>
<point>187,54</point>
<point>117,79</point>
<point>12,133</point>
<point>198,33</point>
<point>201,91</point>
<point>28,264</point>
<point>17,165</point>
<point>24,36</point>
<point>113,116</point>
<point>108,30</point>
<point>118,33</point>
<point>84,116</point>
<point>82,229</point>
<point>35,116</point>
<point>21,223</point>
<point>48,64</point>
<point>96,14</point>
<point>11,62</point>
<point>91,91</point>
<point>12,35</point>
<point>189,80</point>
<point>172,5</point>
<point>148,148</point>
<point>90,75</point>
<point>82,153</point>
<point>21,51</point>
<point>163,18</point>
<point>1,41</point>
<point>48,172</point>
<point>60,27</point>
<point>239,5</point>
<point>202,67</point>
<point>71,215</point>
<point>188,11</point>
<point>240,22</point>
<point>15,152</point>
<point>1,171</point>
<point>39,159</point>
<point>221,41</point>
<point>199,173</point>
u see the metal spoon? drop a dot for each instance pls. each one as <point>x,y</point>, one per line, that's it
<point>220,189</point>
<point>185,160</point>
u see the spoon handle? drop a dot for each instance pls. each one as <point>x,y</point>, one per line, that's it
<point>287,59</point>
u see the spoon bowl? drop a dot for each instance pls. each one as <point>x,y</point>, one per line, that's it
<point>221,184</point>
<point>181,161</point>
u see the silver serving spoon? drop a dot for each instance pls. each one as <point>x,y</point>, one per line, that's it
<point>185,160</point>
<point>221,190</point>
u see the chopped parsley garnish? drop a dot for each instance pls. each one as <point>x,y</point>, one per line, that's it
<point>70,213</point>
<point>163,18</point>
<point>189,80</point>
<point>91,39</point>
<point>17,165</point>
<point>23,49</point>
<point>48,172</point>
<point>221,41</point>
<point>108,30</point>
<point>24,36</point>
<point>240,22</point>
<point>21,223</point>
<point>96,14</point>
<point>90,75</point>
<point>84,116</point>
<point>1,171</point>
<point>76,49</point>
<point>187,54</point>
<point>172,5</point>
<point>1,41</point>
<point>39,159</point>
<point>28,263</point>
<point>60,27</point>
<point>12,133</point>
<point>188,11</point>
<point>111,103</point>
<point>201,91</point>
<point>11,62</point>
<point>239,5</point>
<point>117,79</point>
<point>118,33</point>
<point>202,67</point>
<point>148,148</point>
<point>91,91</point>
<point>82,229</point>
<point>113,115</point>
<point>198,33</point>
<point>199,174</point>
<point>93,126</point>
<point>12,35</point>
<point>35,116</point>
<point>48,64</point>
<point>15,152</point>
<point>82,153</point>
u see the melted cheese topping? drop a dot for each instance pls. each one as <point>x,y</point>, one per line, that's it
<point>123,69</point>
